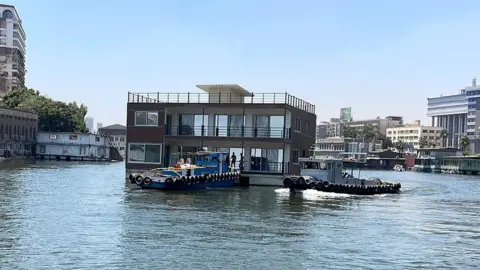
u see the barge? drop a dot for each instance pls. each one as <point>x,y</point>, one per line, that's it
<point>328,175</point>
<point>209,171</point>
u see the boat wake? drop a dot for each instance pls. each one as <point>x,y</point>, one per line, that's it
<point>314,194</point>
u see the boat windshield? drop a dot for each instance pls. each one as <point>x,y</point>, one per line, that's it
<point>310,165</point>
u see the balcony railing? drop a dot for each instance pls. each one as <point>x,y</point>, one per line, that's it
<point>257,167</point>
<point>202,98</point>
<point>224,131</point>
<point>265,167</point>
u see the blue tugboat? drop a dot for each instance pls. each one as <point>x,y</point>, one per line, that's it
<point>209,171</point>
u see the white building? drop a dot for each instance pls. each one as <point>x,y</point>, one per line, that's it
<point>411,134</point>
<point>380,124</point>
<point>99,126</point>
<point>89,123</point>
<point>457,114</point>
<point>12,50</point>
<point>72,146</point>
<point>118,135</point>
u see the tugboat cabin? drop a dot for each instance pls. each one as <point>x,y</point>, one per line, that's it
<point>325,169</point>
<point>204,163</point>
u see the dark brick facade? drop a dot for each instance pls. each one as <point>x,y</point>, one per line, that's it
<point>18,130</point>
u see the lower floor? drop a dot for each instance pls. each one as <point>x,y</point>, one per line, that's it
<point>259,157</point>
<point>24,148</point>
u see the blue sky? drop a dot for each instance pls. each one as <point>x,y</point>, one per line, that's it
<point>379,57</point>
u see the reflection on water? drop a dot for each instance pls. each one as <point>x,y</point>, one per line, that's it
<point>82,216</point>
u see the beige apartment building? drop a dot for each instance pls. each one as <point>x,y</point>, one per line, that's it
<point>12,50</point>
<point>411,134</point>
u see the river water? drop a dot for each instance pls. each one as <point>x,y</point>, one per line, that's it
<point>66,215</point>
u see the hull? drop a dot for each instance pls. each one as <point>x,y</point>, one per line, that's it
<point>353,189</point>
<point>362,188</point>
<point>195,186</point>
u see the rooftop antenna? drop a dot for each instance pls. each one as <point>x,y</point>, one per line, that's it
<point>474,81</point>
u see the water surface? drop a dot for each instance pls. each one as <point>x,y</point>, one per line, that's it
<point>66,215</point>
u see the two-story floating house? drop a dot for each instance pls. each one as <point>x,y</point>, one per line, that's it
<point>271,130</point>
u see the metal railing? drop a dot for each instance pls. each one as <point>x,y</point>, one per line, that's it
<point>265,167</point>
<point>202,98</point>
<point>224,131</point>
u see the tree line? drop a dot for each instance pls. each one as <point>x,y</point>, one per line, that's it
<point>54,116</point>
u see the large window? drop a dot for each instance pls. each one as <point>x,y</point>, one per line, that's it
<point>144,153</point>
<point>149,119</point>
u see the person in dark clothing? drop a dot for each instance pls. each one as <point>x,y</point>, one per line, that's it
<point>234,160</point>
<point>227,159</point>
<point>241,162</point>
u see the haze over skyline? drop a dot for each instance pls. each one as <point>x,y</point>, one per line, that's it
<point>378,57</point>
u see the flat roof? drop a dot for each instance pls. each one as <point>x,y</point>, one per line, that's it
<point>215,88</point>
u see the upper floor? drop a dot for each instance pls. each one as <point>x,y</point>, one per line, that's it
<point>216,116</point>
<point>67,138</point>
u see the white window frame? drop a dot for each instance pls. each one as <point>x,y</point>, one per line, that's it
<point>146,119</point>
<point>293,156</point>
<point>144,144</point>
<point>298,124</point>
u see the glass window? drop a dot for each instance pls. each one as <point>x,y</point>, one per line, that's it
<point>153,153</point>
<point>140,118</point>
<point>296,153</point>
<point>8,14</point>
<point>136,153</point>
<point>145,153</point>
<point>146,119</point>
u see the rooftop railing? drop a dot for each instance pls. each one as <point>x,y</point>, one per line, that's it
<point>205,98</point>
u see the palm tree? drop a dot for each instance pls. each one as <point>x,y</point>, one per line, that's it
<point>400,146</point>
<point>464,143</point>
<point>423,142</point>
<point>444,136</point>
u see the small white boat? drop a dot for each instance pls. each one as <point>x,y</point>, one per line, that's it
<point>398,168</point>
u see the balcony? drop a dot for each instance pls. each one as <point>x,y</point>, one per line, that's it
<point>224,131</point>
<point>208,98</point>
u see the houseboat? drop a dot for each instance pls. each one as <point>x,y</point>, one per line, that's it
<point>75,147</point>
<point>333,178</point>
<point>211,170</point>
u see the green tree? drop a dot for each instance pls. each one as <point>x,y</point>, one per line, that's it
<point>369,132</point>
<point>54,116</point>
<point>400,146</point>
<point>464,143</point>
<point>350,132</point>
<point>423,142</point>
<point>444,136</point>
<point>386,142</point>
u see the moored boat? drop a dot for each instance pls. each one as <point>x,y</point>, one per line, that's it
<point>209,171</point>
<point>332,178</point>
<point>398,168</point>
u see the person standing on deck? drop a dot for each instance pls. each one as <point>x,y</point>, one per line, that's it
<point>241,162</point>
<point>227,159</point>
<point>234,160</point>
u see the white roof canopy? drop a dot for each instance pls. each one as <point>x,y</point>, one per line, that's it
<point>230,88</point>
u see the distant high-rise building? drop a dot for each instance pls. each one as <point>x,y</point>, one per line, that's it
<point>99,126</point>
<point>322,130</point>
<point>89,123</point>
<point>12,50</point>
